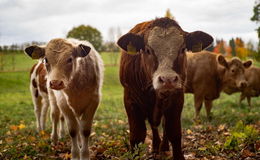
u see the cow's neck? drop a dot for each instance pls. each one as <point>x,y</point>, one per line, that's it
<point>221,71</point>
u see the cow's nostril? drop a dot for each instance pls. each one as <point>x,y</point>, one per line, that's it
<point>243,84</point>
<point>161,79</point>
<point>175,79</point>
<point>60,83</point>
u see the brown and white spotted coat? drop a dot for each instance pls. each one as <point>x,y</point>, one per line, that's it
<point>42,98</point>
<point>75,75</point>
<point>39,94</point>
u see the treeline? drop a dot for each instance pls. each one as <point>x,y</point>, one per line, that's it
<point>236,47</point>
<point>108,46</point>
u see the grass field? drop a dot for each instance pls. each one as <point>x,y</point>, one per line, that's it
<point>19,140</point>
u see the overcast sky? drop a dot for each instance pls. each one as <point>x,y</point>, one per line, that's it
<point>41,20</point>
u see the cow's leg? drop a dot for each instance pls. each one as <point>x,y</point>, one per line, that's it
<point>85,129</point>
<point>156,137</point>
<point>73,128</point>
<point>242,97</point>
<point>136,121</point>
<point>173,128</point>
<point>37,103</point>
<point>55,113</point>
<point>208,105</point>
<point>62,126</point>
<point>72,124</point>
<point>164,146</point>
<point>249,101</point>
<point>155,120</point>
<point>45,106</point>
<point>137,128</point>
<point>198,104</point>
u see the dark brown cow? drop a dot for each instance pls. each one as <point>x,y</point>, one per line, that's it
<point>252,75</point>
<point>208,74</point>
<point>152,72</point>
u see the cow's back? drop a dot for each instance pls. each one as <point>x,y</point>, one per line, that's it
<point>253,77</point>
<point>38,80</point>
<point>202,74</point>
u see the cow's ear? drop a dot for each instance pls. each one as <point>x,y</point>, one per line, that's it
<point>82,51</point>
<point>131,43</point>
<point>247,64</point>
<point>197,41</point>
<point>35,52</point>
<point>222,61</point>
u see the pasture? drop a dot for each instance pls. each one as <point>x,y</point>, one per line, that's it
<point>233,132</point>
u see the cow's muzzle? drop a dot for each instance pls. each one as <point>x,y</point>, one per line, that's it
<point>57,84</point>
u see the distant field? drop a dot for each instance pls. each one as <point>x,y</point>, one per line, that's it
<point>110,125</point>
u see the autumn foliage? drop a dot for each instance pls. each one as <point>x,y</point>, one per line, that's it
<point>236,47</point>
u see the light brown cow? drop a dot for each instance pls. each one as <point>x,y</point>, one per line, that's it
<point>75,73</point>
<point>209,73</point>
<point>252,75</point>
<point>42,97</point>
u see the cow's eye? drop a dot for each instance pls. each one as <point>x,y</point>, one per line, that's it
<point>45,60</point>
<point>183,50</point>
<point>148,50</point>
<point>232,70</point>
<point>69,60</point>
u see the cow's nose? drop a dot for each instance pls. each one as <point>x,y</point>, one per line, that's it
<point>56,84</point>
<point>168,80</point>
<point>243,84</point>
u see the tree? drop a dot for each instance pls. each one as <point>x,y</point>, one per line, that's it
<point>241,51</point>
<point>256,18</point>
<point>168,14</point>
<point>232,47</point>
<point>88,33</point>
<point>220,46</point>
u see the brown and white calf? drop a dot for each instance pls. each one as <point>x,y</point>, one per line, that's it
<point>39,94</point>
<point>42,97</point>
<point>152,72</point>
<point>252,75</point>
<point>208,74</point>
<point>75,74</point>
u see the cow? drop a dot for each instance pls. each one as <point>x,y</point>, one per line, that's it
<point>42,98</point>
<point>75,75</point>
<point>152,72</point>
<point>208,74</point>
<point>252,75</point>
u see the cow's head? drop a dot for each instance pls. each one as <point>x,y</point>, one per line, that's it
<point>162,45</point>
<point>60,59</point>
<point>234,76</point>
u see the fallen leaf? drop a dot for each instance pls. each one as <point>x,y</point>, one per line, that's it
<point>9,140</point>
<point>189,131</point>
<point>31,138</point>
<point>67,156</point>
<point>202,148</point>
<point>13,127</point>
<point>221,127</point>
<point>21,126</point>
<point>42,133</point>
<point>247,153</point>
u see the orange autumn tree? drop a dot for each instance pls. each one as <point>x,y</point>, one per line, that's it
<point>222,47</point>
<point>241,51</point>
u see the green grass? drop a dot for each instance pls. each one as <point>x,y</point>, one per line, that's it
<point>110,124</point>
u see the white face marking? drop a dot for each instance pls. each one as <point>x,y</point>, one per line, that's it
<point>166,43</point>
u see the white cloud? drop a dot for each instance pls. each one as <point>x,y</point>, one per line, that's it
<point>42,20</point>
